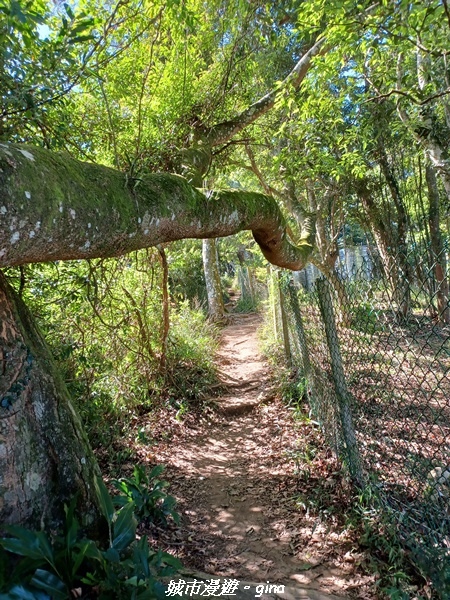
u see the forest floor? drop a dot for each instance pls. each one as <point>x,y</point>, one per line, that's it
<point>260,496</point>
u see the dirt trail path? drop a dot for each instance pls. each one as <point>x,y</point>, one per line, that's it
<point>234,481</point>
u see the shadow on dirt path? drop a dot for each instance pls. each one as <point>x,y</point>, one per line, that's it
<point>236,488</point>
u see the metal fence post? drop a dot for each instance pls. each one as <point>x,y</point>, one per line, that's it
<point>340,384</point>
<point>284,322</point>
<point>273,294</point>
<point>307,371</point>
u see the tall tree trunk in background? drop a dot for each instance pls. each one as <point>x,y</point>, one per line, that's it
<point>437,247</point>
<point>338,287</point>
<point>216,308</point>
<point>329,253</point>
<point>402,292</point>
<point>384,238</point>
<point>165,308</point>
<point>426,130</point>
<point>45,459</point>
<point>436,149</point>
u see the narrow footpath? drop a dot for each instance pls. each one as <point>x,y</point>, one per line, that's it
<point>242,481</point>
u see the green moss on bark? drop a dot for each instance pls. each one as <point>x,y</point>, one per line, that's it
<point>56,208</point>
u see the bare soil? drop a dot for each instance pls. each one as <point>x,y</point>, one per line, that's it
<point>261,497</point>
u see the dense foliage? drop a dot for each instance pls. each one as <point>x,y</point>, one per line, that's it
<point>70,564</point>
<point>105,325</point>
<point>361,148</point>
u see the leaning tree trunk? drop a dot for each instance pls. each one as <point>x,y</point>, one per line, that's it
<point>45,459</point>
<point>402,291</point>
<point>383,236</point>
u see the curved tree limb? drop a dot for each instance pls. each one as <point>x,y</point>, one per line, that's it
<point>223,132</point>
<point>53,207</point>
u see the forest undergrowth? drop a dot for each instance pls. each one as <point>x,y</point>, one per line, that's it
<point>191,398</point>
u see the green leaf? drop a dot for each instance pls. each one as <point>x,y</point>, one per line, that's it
<point>44,580</point>
<point>141,554</point>
<point>112,555</point>
<point>71,524</point>
<point>132,581</point>
<point>122,500</point>
<point>91,551</point>
<point>18,592</point>
<point>69,11</point>
<point>78,557</point>
<point>156,471</point>
<point>80,38</point>
<point>28,543</point>
<point>176,517</point>
<point>16,11</point>
<point>106,504</point>
<point>124,528</point>
<point>153,590</point>
<point>45,546</point>
<point>82,26</point>
<point>172,561</point>
<point>157,495</point>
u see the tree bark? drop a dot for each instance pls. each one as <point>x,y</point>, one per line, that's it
<point>45,459</point>
<point>426,131</point>
<point>53,207</point>
<point>216,308</point>
<point>402,290</point>
<point>437,247</point>
<point>383,236</point>
<point>223,132</point>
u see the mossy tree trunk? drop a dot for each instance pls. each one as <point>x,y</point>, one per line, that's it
<point>45,458</point>
<point>53,207</point>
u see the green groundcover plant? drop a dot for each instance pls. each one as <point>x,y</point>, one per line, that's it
<point>71,565</point>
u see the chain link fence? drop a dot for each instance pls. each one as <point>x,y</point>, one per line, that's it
<point>374,347</point>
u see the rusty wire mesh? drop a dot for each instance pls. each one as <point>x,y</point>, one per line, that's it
<point>380,387</point>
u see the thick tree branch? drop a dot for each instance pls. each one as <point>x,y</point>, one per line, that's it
<point>268,189</point>
<point>53,207</point>
<point>306,221</point>
<point>221,133</point>
<point>410,97</point>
